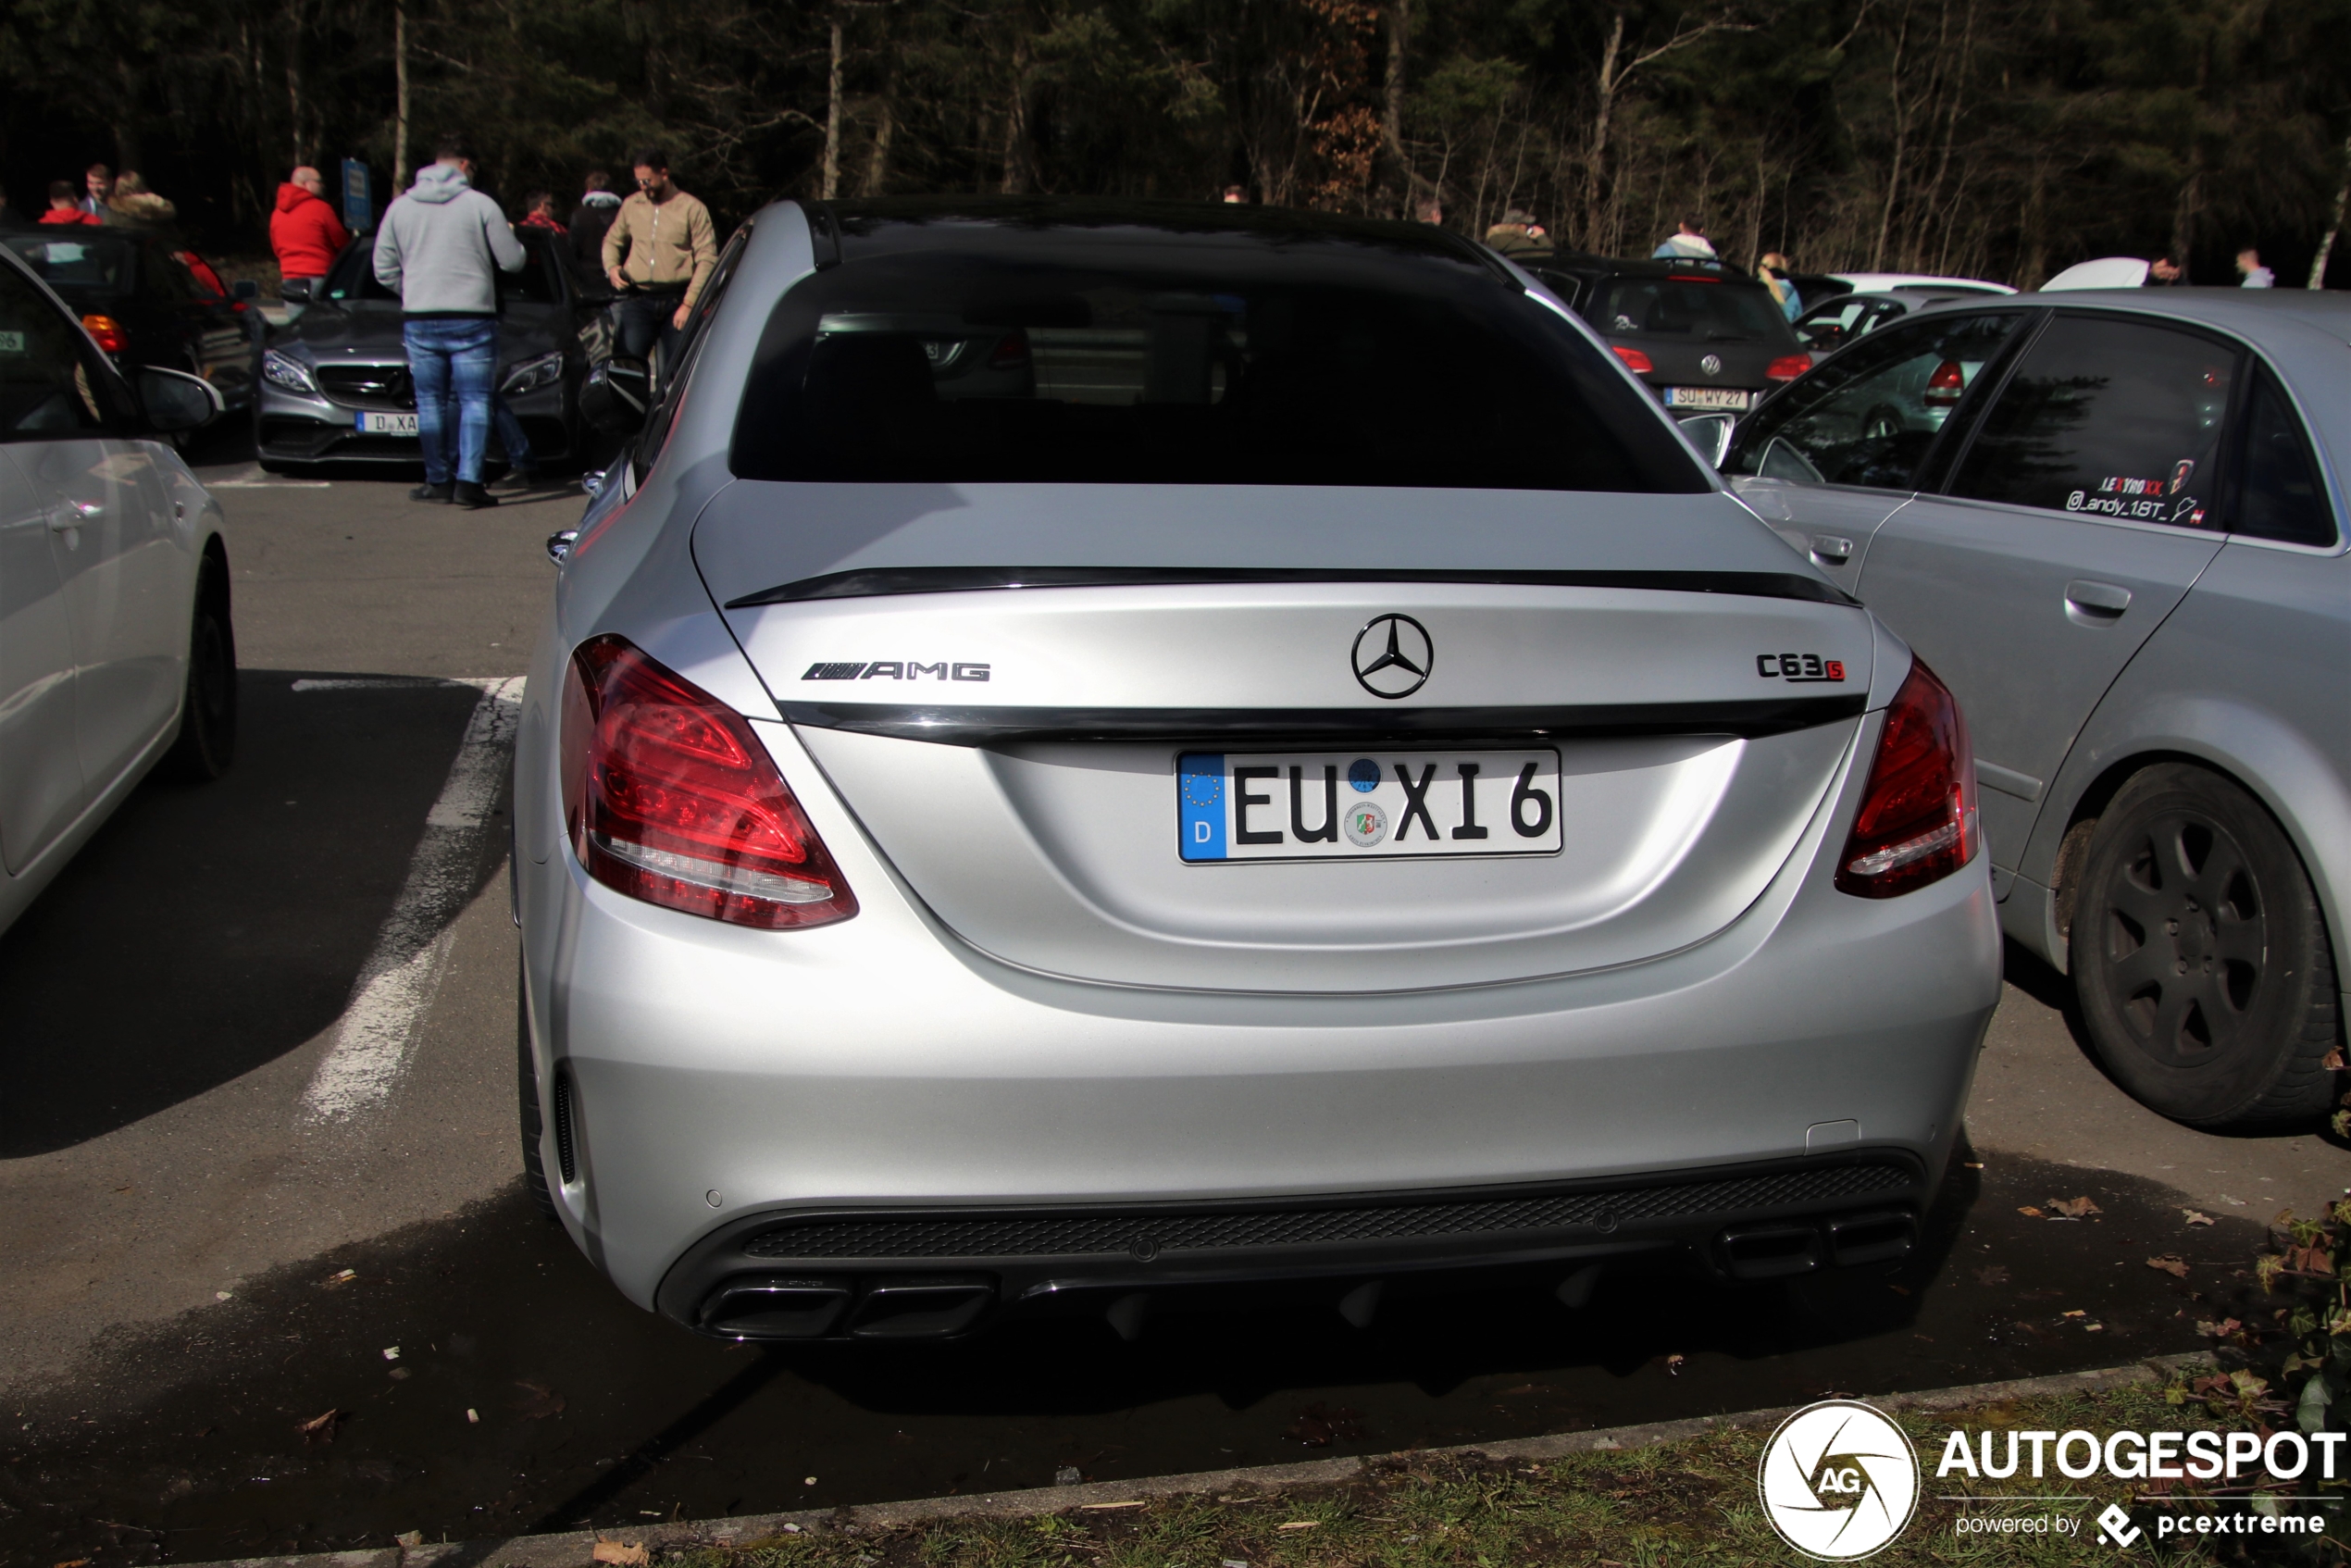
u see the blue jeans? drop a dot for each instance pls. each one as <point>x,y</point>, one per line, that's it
<point>453,359</point>
<point>512,436</point>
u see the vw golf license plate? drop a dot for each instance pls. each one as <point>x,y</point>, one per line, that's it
<point>1731,399</point>
<point>1357,806</point>
<point>374,424</point>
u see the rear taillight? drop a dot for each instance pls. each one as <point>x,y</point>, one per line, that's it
<point>1787,367</point>
<point>1011,352</point>
<point>107,331</point>
<point>1635,360</point>
<point>1944,387</point>
<point>1917,822</point>
<point>668,797</point>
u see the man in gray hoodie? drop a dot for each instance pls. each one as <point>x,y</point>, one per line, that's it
<point>439,248</point>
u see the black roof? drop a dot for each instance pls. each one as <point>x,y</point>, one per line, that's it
<point>916,222</point>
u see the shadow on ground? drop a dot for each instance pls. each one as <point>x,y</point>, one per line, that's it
<point>209,929</point>
<point>528,1395</point>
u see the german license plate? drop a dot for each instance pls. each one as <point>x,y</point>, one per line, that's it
<point>1735,399</point>
<point>1365,805</point>
<point>374,424</point>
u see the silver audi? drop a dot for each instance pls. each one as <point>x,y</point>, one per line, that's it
<point>1092,755</point>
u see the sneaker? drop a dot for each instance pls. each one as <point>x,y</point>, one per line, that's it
<point>431,493</point>
<point>472,497</point>
<point>515,480</point>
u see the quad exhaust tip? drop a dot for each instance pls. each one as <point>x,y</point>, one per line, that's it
<point>1782,1249</point>
<point>775,1306</point>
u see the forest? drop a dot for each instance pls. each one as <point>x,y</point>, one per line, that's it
<point>1996,138</point>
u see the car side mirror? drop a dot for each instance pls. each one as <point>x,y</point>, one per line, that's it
<point>244,289</point>
<point>1710,434</point>
<point>176,401</point>
<point>616,395</point>
<point>293,291</point>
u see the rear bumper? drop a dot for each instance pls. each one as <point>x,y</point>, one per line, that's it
<point>897,1274</point>
<point>721,1082</point>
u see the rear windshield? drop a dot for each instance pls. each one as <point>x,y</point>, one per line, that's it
<point>87,264</point>
<point>1123,355</point>
<point>1688,310</point>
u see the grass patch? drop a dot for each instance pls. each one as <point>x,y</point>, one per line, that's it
<point>1687,1501</point>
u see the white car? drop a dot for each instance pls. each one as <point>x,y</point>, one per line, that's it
<point>116,649</point>
<point>1879,282</point>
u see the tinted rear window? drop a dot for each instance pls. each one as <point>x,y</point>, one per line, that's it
<point>83,263</point>
<point>1688,309</point>
<point>976,350</point>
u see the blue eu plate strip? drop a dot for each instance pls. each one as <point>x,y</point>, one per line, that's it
<point>1200,793</point>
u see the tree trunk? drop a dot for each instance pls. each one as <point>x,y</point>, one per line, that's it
<point>400,97</point>
<point>1595,172</point>
<point>877,162</point>
<point>1399,31</point>
<point>2334,225</point>
<point>1901,137</point>
<point>832,120</point>
<point>1016,159</point>
<point>128,153</point>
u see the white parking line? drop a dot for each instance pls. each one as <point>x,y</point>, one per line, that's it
<point>402,974</point>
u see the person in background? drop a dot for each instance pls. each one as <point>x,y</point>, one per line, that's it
<point>1688,242</point>
<point>1431,211</point>
<point>134,206</point>
<point>64,207</point>
<point>2165,273</point>
<point>598,206</point>
<point>658,253</point>
<point>98,190</point>
<point>1773,269</point>
<point>303,230</point>
<point>441,248</point>
<point>1234,195</point>
<point>2255,274</point>
<point>1519,234</point>
<point>539,212</point>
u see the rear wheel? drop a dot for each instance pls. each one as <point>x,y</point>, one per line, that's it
<point>1882,423</point>
<point>534,1168</point>
<point>2200,955</point>
<point>207,740</point>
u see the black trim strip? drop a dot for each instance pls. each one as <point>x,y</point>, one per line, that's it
<point>875,581</point>
<point>955,726</point>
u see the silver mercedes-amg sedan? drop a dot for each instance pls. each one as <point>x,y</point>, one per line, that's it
<point>1295,773</point>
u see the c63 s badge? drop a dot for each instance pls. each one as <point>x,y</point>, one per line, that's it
<point>1802,668</point>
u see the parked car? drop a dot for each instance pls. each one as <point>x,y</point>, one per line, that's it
<point>1830,325</point>
<point>145,301</point>
<point>2116,531</point>
<point>1337,793</point>
<point>335,383</point>
<point>1879,282</point>
<point>1704,338</point>
<point>116,648</point>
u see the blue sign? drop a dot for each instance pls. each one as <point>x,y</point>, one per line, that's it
<point>358,198</point>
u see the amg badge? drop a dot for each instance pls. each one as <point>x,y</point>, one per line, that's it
<point>894,669</point>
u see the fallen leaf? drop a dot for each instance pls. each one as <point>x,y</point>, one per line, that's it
<point>1973,1164</point>
<point>2194,1218</point>
<point>544,1401</point>
<point>410,1538</point>
<point>1995,1274</point>
<point>73,1562</point>
<point>2074,1208</point>
<point>473,1417</point>
<point>2332,1062</point>
<point>1302,1524</point>
<point>2029,1212</point>
<point>2171,1263</point>
<point>2219,1330</point>
<point>319,1430</point>
<point>2094,1327</point>
<point>621,1556</point>
<point>345,1277</point>
<point>392,1353</point>
<point>2074,1315</point>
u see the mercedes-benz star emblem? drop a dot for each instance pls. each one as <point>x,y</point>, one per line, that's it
<point>1712,365</point>
<point>1393,657</point>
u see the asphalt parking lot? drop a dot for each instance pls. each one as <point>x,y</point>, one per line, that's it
<point>257,1129</point>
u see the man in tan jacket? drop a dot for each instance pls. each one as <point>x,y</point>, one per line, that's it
<point>658,253</point>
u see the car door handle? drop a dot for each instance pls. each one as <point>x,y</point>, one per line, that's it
<point>2104,601</point>
<point>1833,550</point>
<point>73,513</point>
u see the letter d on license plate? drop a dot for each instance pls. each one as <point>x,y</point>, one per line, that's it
<point>1358,805</point>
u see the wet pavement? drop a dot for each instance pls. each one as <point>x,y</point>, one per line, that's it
<point>526,1395</point>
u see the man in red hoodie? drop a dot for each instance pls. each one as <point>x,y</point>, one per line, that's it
<point>305,231</point>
